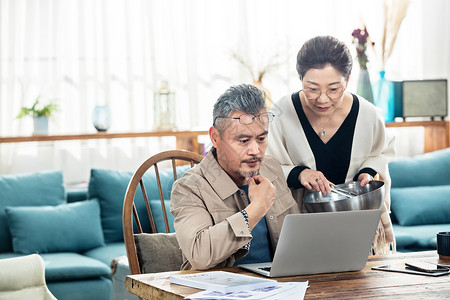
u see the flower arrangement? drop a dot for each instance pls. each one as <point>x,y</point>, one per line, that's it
<point>360,40</point>
<point>394,13</point>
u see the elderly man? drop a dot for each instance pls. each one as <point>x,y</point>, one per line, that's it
<point>229,208</point>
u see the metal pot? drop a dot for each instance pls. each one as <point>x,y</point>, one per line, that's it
<point>371,196</point>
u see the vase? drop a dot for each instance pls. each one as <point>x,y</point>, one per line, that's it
<point>364,86</point>
<point>267,94</point>
<point>101,117</point>
<point>384,96</point>
<point>164,108</point>
<point>40,125</point>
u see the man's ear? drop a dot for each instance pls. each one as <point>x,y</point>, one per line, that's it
<point>214,135</point>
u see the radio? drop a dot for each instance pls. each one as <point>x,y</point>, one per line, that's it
<point>421,98</point>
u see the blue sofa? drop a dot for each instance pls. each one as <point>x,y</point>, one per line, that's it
<point>77,233</point>
<point>420,199</point>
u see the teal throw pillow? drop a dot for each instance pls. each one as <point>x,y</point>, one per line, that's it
<point>421,205</point>
<point>71,227</point>
<point>109,186</point>
<point>42,188</point>
<point>429,169</point>
<point>158,217</point>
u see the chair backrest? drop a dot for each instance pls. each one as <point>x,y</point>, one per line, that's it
<point>133,232</point>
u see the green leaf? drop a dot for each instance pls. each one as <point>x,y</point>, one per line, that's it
<point>36,112</point>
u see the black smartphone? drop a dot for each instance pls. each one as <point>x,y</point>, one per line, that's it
<point>424,266</point>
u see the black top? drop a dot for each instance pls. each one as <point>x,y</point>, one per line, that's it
<point>332,158</point>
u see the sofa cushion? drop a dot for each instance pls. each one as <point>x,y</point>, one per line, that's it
<point>108,252</point>
<point>429,169</point>
<point>73,266</point>
<point>421,205</point>
<point>158,252</point>
<point>9,255</point>
<point>42,188</point>
<point>76,195</point>
<point>87,289</point>
<point>72,227</point>
<point>418,238</point>
<point>155,206</point>
<point>110,186</point>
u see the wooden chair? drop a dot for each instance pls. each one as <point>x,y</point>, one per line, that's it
<point>143,246</point>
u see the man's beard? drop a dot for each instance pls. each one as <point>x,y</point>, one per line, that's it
<point>251,173</point>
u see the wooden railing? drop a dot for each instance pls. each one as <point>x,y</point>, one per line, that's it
<point>187,140</point>
<point>436,136</point>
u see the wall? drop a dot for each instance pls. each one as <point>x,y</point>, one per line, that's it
<point>200,68</point>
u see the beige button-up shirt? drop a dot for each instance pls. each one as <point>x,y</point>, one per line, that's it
<point>206,205</point>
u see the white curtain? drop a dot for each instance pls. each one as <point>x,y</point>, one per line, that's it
<point>83,53</point>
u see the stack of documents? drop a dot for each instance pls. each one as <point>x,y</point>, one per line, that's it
<point>227,285</point>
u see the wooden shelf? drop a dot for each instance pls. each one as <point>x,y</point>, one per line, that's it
<point>436,133</point>
<point>436,136</point>
<point>100,135</point>
<point>187,140</point>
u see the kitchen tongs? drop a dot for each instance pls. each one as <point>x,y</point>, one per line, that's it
<point>342,192</point>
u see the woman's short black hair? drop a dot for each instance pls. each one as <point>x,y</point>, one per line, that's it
<point>319,51</point>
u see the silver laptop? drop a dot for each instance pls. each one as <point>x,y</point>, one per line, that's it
<point>315,243</point>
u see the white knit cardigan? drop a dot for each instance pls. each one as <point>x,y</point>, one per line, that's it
<point>372,148</point>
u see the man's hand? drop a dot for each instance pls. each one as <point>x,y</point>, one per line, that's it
<point>262,196</point>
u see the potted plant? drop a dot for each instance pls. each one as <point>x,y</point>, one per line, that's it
<point>40,115</point>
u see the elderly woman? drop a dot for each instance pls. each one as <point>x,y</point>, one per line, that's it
<point>326,135</point>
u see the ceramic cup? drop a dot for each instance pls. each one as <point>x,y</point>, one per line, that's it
<point>443,245</point>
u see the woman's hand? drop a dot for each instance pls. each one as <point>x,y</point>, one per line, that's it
<point>365,178</point>
<point>311,179</point>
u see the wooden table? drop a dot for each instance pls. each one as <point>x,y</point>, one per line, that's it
<point>348,285</point>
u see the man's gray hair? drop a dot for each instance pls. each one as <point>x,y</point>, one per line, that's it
<point>246,98</point>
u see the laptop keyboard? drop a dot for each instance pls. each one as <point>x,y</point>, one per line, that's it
<point>265,269</point>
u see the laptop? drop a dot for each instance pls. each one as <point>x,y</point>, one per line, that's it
<point>316,243</point>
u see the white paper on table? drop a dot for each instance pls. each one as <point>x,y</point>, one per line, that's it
<point>282,290</point>
<point>296,293</point>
